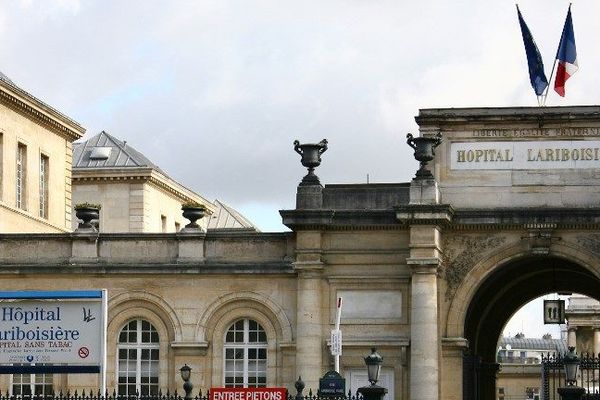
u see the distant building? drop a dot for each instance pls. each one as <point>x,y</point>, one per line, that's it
<point>520,371</point>
<point>134,193</point>
<point>35,163</point>
<point>225,217</point>
<point>583,316</point>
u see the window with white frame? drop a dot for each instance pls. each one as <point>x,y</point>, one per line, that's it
<point>44,174</point>
<point>138,367</point>
<point>21,167</point>
<point>245,355</point>
<point>27,385</point>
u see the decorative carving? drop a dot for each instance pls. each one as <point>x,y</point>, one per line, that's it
<point>461,253</point>
<point>590,242</point>
<point>540,238</point>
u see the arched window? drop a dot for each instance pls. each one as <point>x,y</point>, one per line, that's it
<point>138,359</point>
<point>245,355</point>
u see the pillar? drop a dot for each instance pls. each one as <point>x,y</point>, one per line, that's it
<point>596,341</point>
<point>424,340</point>
<point>309,317</point>
<point>572,337</point>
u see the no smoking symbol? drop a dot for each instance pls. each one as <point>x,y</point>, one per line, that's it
<point>83,352</point>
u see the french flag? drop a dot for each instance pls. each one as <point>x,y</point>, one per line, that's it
<point>566,56</point>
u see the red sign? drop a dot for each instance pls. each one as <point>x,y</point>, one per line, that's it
<point>247,394</point>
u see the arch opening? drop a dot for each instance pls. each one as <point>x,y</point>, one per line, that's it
<point>498,297</point>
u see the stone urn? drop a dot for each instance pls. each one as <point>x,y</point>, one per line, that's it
<point>424,147</point>
<point>311,158</point>
<point>193,213</point>
<point>87,213</point>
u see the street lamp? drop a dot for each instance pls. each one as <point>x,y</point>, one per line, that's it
<point>186,372</point>
<point>373,362</point>
<point>571,363</point>
<point>373,392</point>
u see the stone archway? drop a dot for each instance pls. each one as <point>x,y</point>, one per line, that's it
<point>506,288</point>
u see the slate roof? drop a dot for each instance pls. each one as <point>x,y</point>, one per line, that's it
<point>226,217</point>
<point>550,345</point>
<point>120,154</point>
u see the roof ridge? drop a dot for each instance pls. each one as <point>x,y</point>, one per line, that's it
<point>236,215</point>
<point>122,145</point>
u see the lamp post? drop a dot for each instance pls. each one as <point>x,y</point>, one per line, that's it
<point>373,391</point>
<point>186,372</point>
<point>571,364</point>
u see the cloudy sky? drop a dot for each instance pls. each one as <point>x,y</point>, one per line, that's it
<point>215,92</point>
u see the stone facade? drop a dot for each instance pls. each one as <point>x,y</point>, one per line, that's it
<point>430,270</point>
<point>36,131</point>
<point>520,358</point>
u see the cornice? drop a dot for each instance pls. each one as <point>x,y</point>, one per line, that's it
<point>139,174</point>
<point>40,112</point>
<point>425,214</point>
<point>526,218</point>
<point>109,267</point>
<point>443,117</point>
<point>340,220</point>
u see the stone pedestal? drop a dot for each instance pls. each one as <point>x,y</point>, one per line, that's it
<point>309,197</point>
<point>190,246</point>
<point>84,246</point>
<point>372,392</point>
<point>570,392</point>
<point>424,191</point>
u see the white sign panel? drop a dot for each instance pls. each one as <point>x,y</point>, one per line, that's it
<point>371,304</point>
<point>53,328</point>
<point>336,342</point>
<point>533,155</point>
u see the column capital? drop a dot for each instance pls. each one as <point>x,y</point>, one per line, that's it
<point>423,265</point>
<point>574,329</point>
<point>307,269</point>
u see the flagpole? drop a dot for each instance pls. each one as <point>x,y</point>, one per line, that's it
<point>556,57</point>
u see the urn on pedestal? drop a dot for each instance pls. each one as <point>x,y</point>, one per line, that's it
<point>311,158</point>
<point>87,213</point>
<point>193,211</point>
<point>424,147</point>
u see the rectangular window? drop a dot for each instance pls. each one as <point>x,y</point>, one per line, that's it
<point>44,174</point>
<point>21,181</point>
<point>177,227</point>
<point>28,385</point>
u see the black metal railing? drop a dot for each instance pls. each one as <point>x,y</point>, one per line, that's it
<point>96,395</point>
<point>553,376</point>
